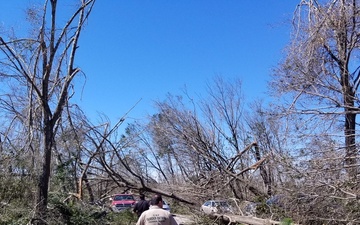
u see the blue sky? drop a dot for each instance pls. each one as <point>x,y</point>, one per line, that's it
<point>132,50</point>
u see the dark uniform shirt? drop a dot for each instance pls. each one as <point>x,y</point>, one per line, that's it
<point>141,206</point>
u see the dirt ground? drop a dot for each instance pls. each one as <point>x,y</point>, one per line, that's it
<point>183,219</point>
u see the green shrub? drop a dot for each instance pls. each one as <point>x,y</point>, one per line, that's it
<point>124,217</point>
<point>286,221</point>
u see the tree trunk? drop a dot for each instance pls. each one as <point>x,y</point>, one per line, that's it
<point>349,97</point>
<point>351,152</point>
<point>263,172</point>
<point>44,177</point>
<point>43,182</point>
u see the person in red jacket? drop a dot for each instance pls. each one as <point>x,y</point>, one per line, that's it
<point>156,215</point>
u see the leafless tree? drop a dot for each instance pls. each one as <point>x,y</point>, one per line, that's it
<point>318,83</point>
<point>178,154</point>
<point>42,68</point>
<point>268,132</point>
<point>320,74</point>
<point>208,143</point>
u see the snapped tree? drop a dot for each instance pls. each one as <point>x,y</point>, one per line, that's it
<point>42,68</point>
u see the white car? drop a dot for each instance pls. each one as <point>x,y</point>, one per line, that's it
<point>166,206</point>
<point>216,206</point>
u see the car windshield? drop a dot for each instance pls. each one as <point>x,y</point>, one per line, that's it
<point>123,197</point>
<point>223,204</point>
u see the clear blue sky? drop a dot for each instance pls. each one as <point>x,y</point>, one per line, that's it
<point>134,49</point>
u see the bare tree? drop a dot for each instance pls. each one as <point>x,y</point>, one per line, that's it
<point>270,139</point>
<point>208,142</point>
<point>318,83</point>
<point>177,154</point>
<point>320,74</point>
<point>42,67</point>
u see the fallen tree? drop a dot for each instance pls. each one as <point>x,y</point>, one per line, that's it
<point>236,219</point>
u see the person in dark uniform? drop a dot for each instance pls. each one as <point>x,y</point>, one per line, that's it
<point>141,205</point>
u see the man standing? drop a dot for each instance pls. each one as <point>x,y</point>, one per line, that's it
<point>141,205</point>
<point>156,215</point>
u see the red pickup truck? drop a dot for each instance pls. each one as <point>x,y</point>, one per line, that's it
<point>122,201</point>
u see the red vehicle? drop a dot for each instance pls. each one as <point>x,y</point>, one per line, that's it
<point>122,201</point>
